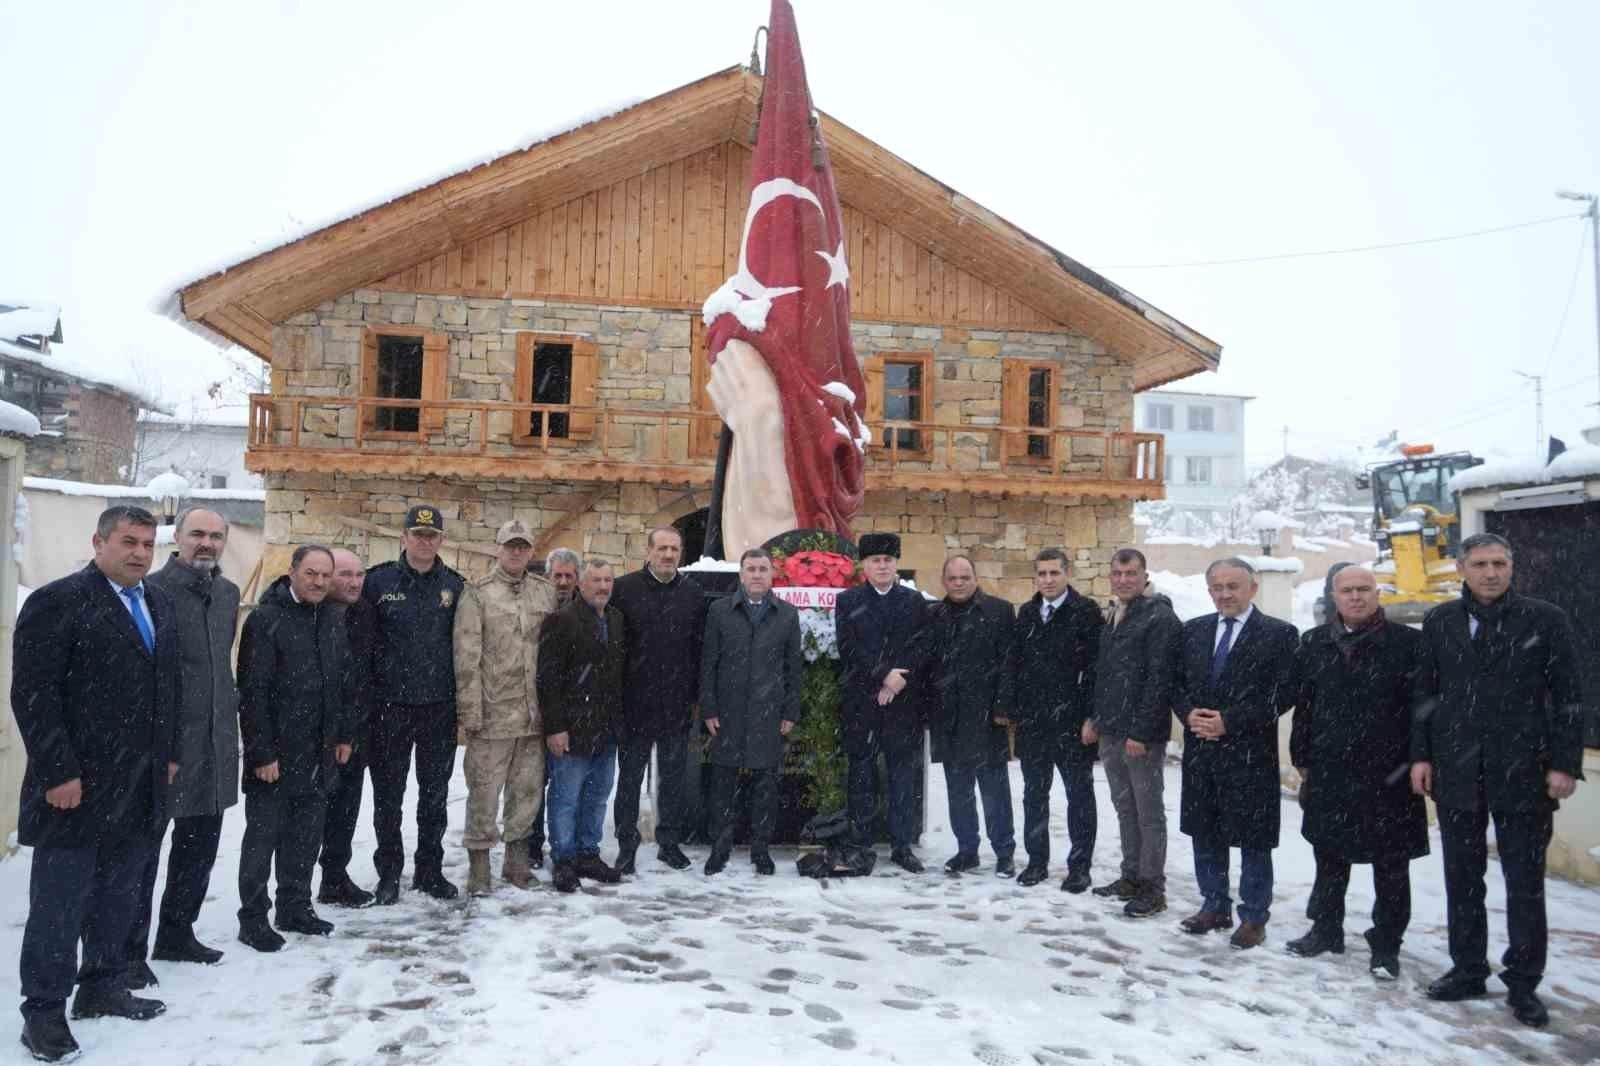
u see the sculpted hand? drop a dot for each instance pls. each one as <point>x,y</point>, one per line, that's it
<point>341,753</point>
<point>1422,778</point>
<point>758,502</point>
<point>1561,785</point>
<point>268,773</point>
<point>65,796</point>
<point>557,743</point>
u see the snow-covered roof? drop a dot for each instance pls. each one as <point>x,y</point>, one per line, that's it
<point>61,363</point>
<point>17,420</point>
<point>134,492</point>
<point>1572,464</point>
<point>1205,383</point>
<point>20,318</point>
<point>1275,564</point>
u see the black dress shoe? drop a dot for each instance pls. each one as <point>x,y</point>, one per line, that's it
<point>1317,942</point>
<point>139,975</point>
<point>595,869</point>
<point>1123,888</point>
<point>1005,868</point>
<point>1385,964</point>
<point>625,864</point>
<point>433,883</point>
<point>118,1004</point>
<point>261,936</point>
<point>716,862</point>
<point>305,921</point>
<point>535,855</point>
<point>342,892</point>
<point>47,1037</point>
<point>906,859</point>
<point>762,861</point>
<point>961,862</point>
<point>1032,874</point>
<point>1075,882</point>
<point>1528,1008</point>
<point>388,892</point>
<point>183,947</point>
<point>565,878</point>
<point>1454,986</point>
<point>673,856</point>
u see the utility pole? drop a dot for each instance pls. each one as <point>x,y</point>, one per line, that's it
<point>1539,442</point>
<point>1593,215</point>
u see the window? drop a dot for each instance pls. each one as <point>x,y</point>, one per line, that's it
<point>1197,469</point>
<point>899,389</point>
<point>403,363</point>
<point>1171,472</point>
<point>1039,403</point>
<point>219,481</point>
<point>555,368</point>
<point>1202,418</point>
<point>1158,416</point>
<point>1028,398</point>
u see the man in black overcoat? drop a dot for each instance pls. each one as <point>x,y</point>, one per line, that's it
<point>1052,665</point>
<point>1235,678</point>
<point>750,676</point>
<point>882,634</point>
<point>968,698</point>
<point>95,693</point>
<point>1497,736</point>
<point>344,803</point>
<point>297,715</point>
<point>1350,742</point>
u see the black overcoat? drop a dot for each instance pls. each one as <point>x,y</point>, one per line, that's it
<point>967,686</point>
<point>750,676</point>
<point>877,633</point>
<point>1135,671</point>
<point>1230,785</point>
<point>297,692</point>
<point>92,703</point>
<point>579,678</point>
<point>1351,735</point>
<point>1508,714</point>
<point>208,762</point>
<point>661,678</point>
<point>1052,668</point>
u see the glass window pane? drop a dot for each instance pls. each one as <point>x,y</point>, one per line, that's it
<point>913,375</point>
<point>399,377</point>
<point>1037,410</point>
<point>899,409</point>
<point>897,375</point>
<point>1038,384</point>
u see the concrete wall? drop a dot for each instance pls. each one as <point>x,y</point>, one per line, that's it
<point>13,759</point>
<point>1191,558</point>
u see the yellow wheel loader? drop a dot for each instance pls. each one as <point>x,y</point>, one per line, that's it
<point>1417,529</point>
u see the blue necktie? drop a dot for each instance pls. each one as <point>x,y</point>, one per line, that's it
<point>1219,658</point>
<point>605,635</point>
<point>133,596</point>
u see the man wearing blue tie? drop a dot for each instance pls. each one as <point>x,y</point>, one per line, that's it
<point>95,694</point>
<point>1235,677</point>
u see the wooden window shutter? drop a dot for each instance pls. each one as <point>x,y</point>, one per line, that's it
<point>368,383</point>
<point>1014,405</point>
<point>585,376</point>
<point>522,421</point>
<point>435,377</point>
<point>703,432</point>
<point>872,377</point>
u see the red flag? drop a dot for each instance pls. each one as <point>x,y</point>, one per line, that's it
<point>790,298</point>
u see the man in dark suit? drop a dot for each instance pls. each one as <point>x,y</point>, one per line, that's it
<point>882,633</point>
<point>1052,665</point>
<point>582,650</point>
<point>95,694</point>
<point>344,803</point>
<point>1497,736</point>
<point>1235,678</point>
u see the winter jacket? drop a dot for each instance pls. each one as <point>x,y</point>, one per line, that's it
<point>966,686</point>
<point>1134,672</point>
<point>92,703</point>
<point>666,625</point>
<point>296,691</point>
<point>208,712</point>
<point>580,678</point>
<point>1052,668</point>
<point>1503,713</point>
<point>750,675</point>
<point>1351,735</point>
<point>879,632</point>
<point>361,630</point>
<point>414,661</point>
<point>497,652</point>
<point>1230,785</point>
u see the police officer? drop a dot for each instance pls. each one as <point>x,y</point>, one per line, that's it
<point>414,682</point>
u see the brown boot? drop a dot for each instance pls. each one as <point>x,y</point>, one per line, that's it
<point>515,869</point>
<point>1248,935</point>
<point>478,873</point>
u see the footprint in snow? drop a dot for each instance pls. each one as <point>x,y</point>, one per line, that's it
<point>990,1055</point>
<point>822,1013</point>
<point>839,1039</point>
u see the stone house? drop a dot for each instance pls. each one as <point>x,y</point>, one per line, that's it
<point>524,339</point>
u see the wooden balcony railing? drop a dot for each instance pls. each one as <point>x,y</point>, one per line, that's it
<point>488,439</point>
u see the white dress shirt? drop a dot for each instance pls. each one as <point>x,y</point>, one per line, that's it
<point>140,605</point>
<point>1216,641</point>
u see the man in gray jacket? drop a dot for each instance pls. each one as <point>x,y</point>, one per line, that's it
<point>208,745</point>
<point>750,668</point>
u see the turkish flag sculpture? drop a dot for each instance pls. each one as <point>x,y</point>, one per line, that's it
<point>790,298</point>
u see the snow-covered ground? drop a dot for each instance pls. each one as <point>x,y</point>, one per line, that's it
<point>674,968</point>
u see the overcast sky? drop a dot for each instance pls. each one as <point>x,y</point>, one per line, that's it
<point>149,142</point>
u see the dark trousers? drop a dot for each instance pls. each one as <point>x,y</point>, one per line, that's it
<point>397,728</point>
<point>1522,840</point>
<point>339,827</point>
<point>284,831</point>
<point>672,761</point>
<point>729,785</point>
<point>1391,909</point>
<point>993,784</point>
<point>536,838</point>
<point>190,859</point>
<point>1077,778</point>
<point>79,893</point>
<point>902,760</point>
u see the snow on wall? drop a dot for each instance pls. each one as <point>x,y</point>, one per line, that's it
<point>134,492</point>
<point>18,420</point>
